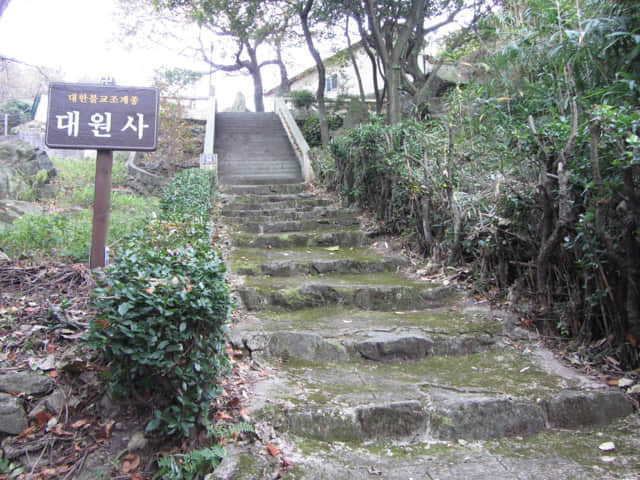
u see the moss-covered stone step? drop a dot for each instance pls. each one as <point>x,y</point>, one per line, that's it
<point>311,261</point>
<point>297,203</point>
<point>486,395</point>
<point>398,345</point>
<point>281,226</point>
<point>548,455</point>
<point>285,188</point>
<point>250,198</point>
<point>340,333</point>
<point>342,320</point>
<point>342,238</point>
<point>315,213</point>
<point>387,292</point>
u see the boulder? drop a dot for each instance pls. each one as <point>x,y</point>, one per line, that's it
<point>23,167</point>
<point>26,382</point>
<point>11,210</point>
<point>13,419</point>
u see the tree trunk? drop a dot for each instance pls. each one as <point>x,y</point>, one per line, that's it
<point>256,75</point>
<point>322,116</point>
<point>356,69</point>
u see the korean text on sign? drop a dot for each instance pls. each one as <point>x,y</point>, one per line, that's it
<point>102,117</point>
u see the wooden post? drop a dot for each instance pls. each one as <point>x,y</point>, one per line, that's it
<point>101,207</point>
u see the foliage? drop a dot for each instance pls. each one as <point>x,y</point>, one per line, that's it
<point>10,470</point>
<point>190,194</point>
<point>191,466</point>
<point>178,146</point>
<point>197,463</point>
<point>532,173</point>
<point>163,307</point>
<point>302,98</point>
<point>66,235</point>
<point>311,129</point>
<point>18,111</point>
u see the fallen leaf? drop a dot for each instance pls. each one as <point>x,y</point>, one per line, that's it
<point>80,424</point>
<point>28,431</point>
<point>129,463</point>
<point>54,374</point>
<point>60,431</point>
<point>223,416</point>
<point>43,418</point>
<point>613,382</point>
<point>287,462</point>
<point>263,374</point>
<point>108,428</point>
<point>273,450</point>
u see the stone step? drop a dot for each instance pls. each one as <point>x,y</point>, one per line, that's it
<point>386,292</point>
<point>311,261</point>
<point>253,148</point>
<point>341,333</point>
<point>344,238</point>
<point>494,394</point>
<point>287,188</point>
<point>286,214</point>
<point>267,179</point>
<point>284,226</point>
<point>304,204</point>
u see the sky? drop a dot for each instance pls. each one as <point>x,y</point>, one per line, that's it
<point>79,38</point>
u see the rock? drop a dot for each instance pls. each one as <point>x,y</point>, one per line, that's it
<point>481,417</point>
<point>305,346</point>
<point>137,442</point>
<point>239,104</point>
<point>246,465</point>
<point>26,382</point>
<point>11,210</point>
<point>389,346</point>
<point>23,167</point>
<point>575,408</point>
<point>13,419</point>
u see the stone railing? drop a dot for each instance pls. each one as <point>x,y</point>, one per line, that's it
<point>208,159</point>
<point>298,142</point>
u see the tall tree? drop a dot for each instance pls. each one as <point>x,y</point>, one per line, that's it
<point>245,25</point>
<point>304,12</point>
<point>395,30</point>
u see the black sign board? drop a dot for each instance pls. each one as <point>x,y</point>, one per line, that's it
<point>92,116</point>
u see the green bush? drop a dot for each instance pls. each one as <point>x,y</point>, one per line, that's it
<point>163,309</point>
<point>311,129</point>
<point>302,98</point>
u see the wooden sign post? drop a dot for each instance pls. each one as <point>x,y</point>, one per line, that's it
<point>104,118</point>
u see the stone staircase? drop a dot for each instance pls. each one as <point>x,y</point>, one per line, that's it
<point>254,148</point>
<point>369,373</point>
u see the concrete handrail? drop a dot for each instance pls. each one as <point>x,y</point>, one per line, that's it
<point>209,136</point>
<point>299,144</point>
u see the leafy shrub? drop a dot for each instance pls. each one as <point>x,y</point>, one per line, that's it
<point>302,98</point>
<point>190,194</point>
<point>162,326</point>
<point>311,129</point>
<point>163,307</point>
